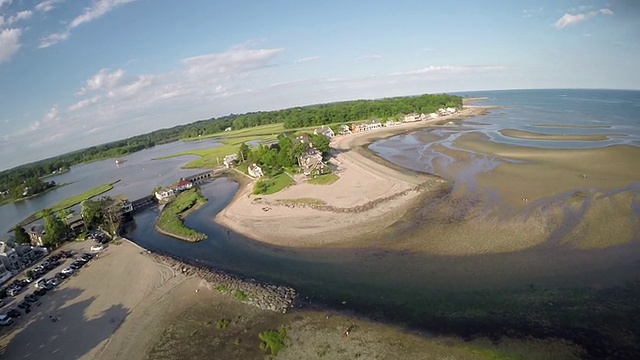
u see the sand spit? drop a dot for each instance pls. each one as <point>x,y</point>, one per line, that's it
<point>528,135</point>
<point>369,197</point>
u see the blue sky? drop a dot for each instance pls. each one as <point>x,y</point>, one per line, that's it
<point>75,73</point>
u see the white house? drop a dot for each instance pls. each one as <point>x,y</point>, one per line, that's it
<point>255,171</point>
<point>391,123</point>
<point>9,257</point>
<point>164,194</point>
<point>344,130</point>
<point>227,129</point>
<point>373,125</point>
<point>230,159</point>
<point>411,117</point>
<point>451,110</point>
<point>325,130</point>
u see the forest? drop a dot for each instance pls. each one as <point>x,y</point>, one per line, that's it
<point>340,112</point>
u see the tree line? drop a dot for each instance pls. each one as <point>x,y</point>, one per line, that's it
<point>341,112</point>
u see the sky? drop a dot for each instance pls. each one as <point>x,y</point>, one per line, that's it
<point>77,73</point>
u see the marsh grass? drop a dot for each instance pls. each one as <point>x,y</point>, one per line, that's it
<point>170,220</point>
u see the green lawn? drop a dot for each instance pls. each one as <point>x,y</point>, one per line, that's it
<point>324,179</point>
<point>77,199</point>
<point>273,185</point>
<point>170,219</point>
<point>231,140</point>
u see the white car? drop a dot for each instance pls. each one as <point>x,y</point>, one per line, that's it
<point>5,320</point>
<point>97,248</point>
<point>68,271</point>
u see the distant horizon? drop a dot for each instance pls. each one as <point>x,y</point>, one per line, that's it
<point>457,93</point>
<point>90,71</point>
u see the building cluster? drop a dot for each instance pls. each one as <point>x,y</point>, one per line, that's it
<point>173,190</point>
<point>16,257</point>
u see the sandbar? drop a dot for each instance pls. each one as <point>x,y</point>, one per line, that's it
<point>529,135</point>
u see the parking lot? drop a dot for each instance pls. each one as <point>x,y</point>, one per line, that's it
<point>28,291</point>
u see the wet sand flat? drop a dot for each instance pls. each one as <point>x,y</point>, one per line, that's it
<point>528,135</point>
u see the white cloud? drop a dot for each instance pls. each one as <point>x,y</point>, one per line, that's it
<point>369,57</point>
<point>132,88</point>
<point>3,2</point>
<point>52,115</point>
<point>21,15</point>
<point>47,5</point>
<point>96,10</point>
<point>233,63</point>
<point>9,43</point>
<point>103,79</point>
<point>527,13</point>
<point>573,19</point>
<point>448,69</point>
<point>307,59</point>
<point>83,104</point>
<point>53,39</point>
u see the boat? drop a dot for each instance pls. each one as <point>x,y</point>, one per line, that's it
<point>120,161</point>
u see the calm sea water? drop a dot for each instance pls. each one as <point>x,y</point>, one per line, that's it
<point>570,112</point>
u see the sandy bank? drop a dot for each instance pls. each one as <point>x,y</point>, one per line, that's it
<point>520,134</point>
<point>370,195</point>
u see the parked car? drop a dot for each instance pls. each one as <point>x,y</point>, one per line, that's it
<point>13,291</point>
<point>40,292</point>
<point>97,248</point>
<point>31,298</point>
<point>61,275</point>
<point>24,305</point>
<point>5,320</point>
<point>68,271</point>
<point>53,281</point>
<point>14,313</point>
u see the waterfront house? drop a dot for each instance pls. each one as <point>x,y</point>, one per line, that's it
<point>227,129</point>
<point>451,110</point>
<point>311,162</point>
<point>345,130</point>
<point>9,257</point>
<point>35,235</point>
<point>413,117</point>
<point>325,130</point>
<point>255,171</point>
<point>390,123</point>
<point>230,160</point>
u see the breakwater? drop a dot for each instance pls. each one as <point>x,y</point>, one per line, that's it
<point>250,291</point>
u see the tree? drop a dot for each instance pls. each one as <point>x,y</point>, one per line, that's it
<point>21,235</point>
<point>321,143</point>
<point>244,151</point>
<point>55,229</point>
<point>92,213</point>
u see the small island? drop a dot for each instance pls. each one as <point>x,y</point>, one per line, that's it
<point>171,219</point>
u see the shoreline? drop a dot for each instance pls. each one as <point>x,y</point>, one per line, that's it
<point>265,296</point>
<point>374,192</point>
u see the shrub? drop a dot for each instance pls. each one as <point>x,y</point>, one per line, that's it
<point>273,340</point>
<point>241,295</point>
<point>223,323</point>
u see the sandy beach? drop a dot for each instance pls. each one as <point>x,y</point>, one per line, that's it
<point>370,196</point>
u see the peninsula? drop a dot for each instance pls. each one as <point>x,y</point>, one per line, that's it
<point>369,195</point>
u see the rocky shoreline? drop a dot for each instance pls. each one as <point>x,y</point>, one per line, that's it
<point>265,296</point>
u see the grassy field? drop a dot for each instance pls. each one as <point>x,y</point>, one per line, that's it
<point>170,220</point>
<point>273,185</point>
<point>231,140</point>
<point>71,201</point>
<point>324,179</point>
